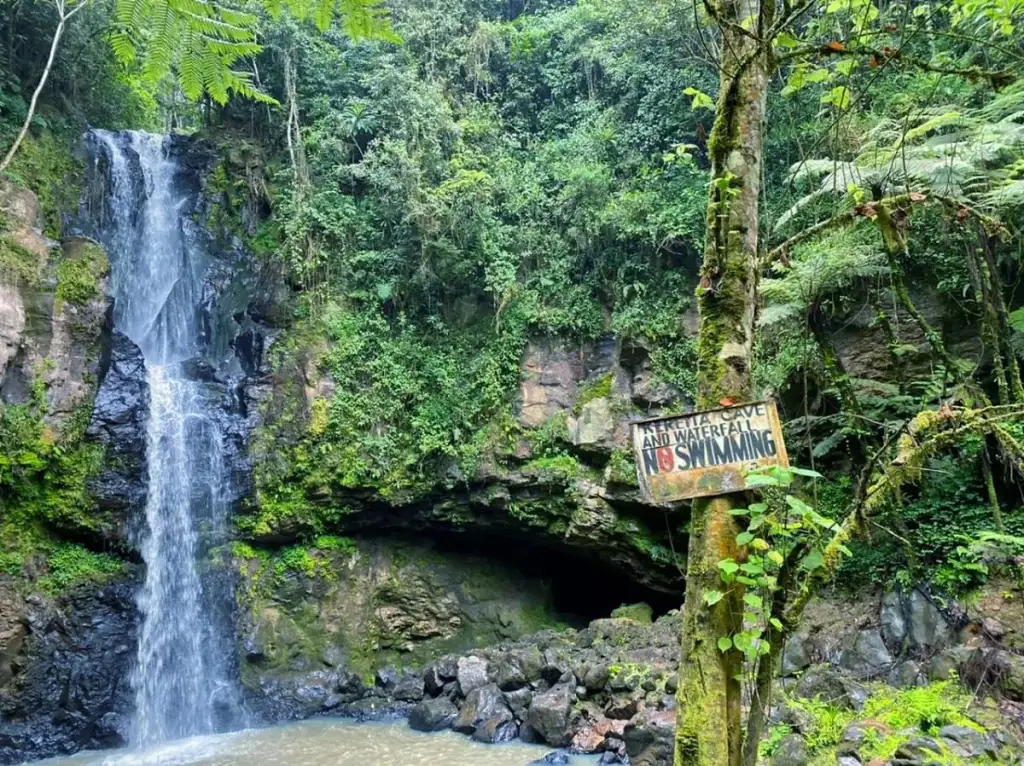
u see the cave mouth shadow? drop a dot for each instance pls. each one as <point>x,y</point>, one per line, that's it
<point>582,587</point>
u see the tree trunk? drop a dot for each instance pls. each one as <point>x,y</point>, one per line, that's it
<point>708,727</point>
<point>42,80</point>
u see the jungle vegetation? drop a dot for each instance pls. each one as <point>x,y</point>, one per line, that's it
<point>440,181</point>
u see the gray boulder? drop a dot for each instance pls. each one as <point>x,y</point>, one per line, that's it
<point>792,751</point>
<point>409,689</point>
<point>519,702</point>
<point>919,750</point>
<point>471,673</point>
<point>971,742</point>
<point>484,708</point>
<point>650,738</point>
<point>824,683</point>
<point>549,715</point>
<point>866,655</point>
<point>796,655</point>
<point>438,674</point>
<point>905,675</point>
<point>433,715</point>
<point>912,623</point>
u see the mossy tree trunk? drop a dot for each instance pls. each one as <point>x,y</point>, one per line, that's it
<point>708,729</point>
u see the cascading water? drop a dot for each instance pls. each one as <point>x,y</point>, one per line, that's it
<point>182,682</point>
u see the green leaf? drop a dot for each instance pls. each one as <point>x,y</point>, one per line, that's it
<point>752,567</point>
<point>744,537</point>
<point>846,66</point>
<point>775,557</point>
<point>701,100</point>
<point>805,472</point>
<point>728,566</point>
<point>799,506</point>
<point>753,600</point>
<point>712,597</point>
<point>776,623</point>
<point>812,560</point>
<point>724,644</point>
<point>838,97</point>
<point>786,40</point>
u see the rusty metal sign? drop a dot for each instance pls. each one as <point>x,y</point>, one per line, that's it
<point>705,453</point>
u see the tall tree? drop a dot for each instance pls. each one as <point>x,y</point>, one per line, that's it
<point>709,689</point>
<point>751,33</point>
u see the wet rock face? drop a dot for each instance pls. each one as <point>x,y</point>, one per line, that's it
<point>54,310</point>
<point>119,423</point>
<point>64,670</point>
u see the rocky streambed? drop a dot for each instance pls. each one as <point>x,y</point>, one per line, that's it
<point>608,690</point>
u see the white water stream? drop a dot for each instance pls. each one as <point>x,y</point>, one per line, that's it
<point>180,678</point>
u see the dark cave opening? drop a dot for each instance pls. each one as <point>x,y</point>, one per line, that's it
<point>583,587</point>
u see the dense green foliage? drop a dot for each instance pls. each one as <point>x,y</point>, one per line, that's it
<point>508,174</point>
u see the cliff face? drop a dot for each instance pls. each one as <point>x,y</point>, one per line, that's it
<point>344,580</point>
<point>67,618</point>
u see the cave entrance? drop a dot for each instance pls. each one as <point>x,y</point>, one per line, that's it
<point>582,587</point>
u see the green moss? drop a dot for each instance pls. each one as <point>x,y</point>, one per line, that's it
<point>46,164</point>
<point>78,277</point>
<point>560,468</point>
<point>595,389</point>
<point>70,565</point>
<point>897,715</point>
<point>17,262</point>
<point>622,468</point>
<point>640,613</point>
<point>345,545</point>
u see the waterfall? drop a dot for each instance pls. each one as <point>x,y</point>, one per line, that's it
<point>181,679</point>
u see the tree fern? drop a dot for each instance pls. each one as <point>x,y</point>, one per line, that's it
<point>202,41</point>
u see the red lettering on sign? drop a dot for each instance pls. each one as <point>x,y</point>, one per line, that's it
<point>666,461</point>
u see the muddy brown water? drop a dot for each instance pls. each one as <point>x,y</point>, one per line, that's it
<point>319,743</point>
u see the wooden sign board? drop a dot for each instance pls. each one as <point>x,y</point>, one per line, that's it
<point>705,453</point>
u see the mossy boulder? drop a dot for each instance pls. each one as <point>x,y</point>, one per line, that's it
<point>641,613</point>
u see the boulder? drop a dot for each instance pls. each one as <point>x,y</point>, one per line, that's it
<point>796,655</point>
<point>906,674</point>
<point>594,738</point>
<point>912,623</point>
<point>409,689</point>
<point>641,613</point>
<point>943,666</point>
<point>865,655</point>
<point>518,702</point>
<point>971,742</point>
<point>824,683</point>
<point>433,715</point>
<point>622,708</point>
<point>919,750</point>
<point>483,706</point>
<point>549,715</point>
<point>472,674</point>
<point>388,678</point>
<point>650,738</point>
<point>550,758</point>
<point>594,429</point>
<point>792,751</point>
<point>594,676</point>
<point>506,671</point>
<point>439,673</point>
<point>495,730</point>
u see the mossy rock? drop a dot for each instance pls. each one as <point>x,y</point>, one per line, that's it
<point>641,613</point>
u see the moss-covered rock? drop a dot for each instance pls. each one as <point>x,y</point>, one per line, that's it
<point>360,605</point>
